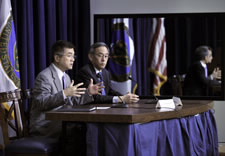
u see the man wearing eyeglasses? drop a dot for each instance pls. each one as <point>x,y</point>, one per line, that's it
<point>98,56</point>
<point>53,89</point>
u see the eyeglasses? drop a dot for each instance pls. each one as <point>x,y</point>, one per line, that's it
<point>69,56</point>
<point>102,56</point>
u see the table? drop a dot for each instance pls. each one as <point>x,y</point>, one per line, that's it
<point>143,130</point>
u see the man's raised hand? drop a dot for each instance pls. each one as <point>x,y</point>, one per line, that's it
<point>74,90</point>
<point>94,89</point>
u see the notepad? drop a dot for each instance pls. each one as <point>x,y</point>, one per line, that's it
<point>79,108</point>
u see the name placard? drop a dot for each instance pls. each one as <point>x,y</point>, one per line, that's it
<point>177,101</point>
<point>166,103</point>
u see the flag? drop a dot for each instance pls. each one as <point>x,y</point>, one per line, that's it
<point>9,65</point>
<point>157,54</point>
<point>122,62</point>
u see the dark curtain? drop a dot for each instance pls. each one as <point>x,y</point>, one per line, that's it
<point>39,23</point>
<point>142,28</point>
<point>184,33</point>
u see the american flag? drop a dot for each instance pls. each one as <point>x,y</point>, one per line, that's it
<point>157,54</point>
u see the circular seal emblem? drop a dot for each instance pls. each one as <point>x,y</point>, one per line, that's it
<point>9,53</point>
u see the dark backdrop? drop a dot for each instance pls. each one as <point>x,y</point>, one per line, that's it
<point>184,33</point>
<point>39,23</point>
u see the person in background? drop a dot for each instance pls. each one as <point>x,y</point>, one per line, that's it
<point>53,89</point>
<point>198,81</point>
<point>98,56</point>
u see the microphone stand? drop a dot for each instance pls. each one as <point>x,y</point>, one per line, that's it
<point>123,105</point>
<point>120,105</point>
<point>154,101</point>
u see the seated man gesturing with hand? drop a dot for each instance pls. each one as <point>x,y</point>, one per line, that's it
<point>98,56</point>
<point>54,89</point>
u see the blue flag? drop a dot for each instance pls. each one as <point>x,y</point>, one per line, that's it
<point>9,64</point>
<point>122,63</point>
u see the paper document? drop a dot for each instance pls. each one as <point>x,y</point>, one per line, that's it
<point>103,107</point>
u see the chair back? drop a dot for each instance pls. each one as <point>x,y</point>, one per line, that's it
<point>10,117</point>
<point>176,82</point>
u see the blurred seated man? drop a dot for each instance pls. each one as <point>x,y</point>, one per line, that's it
<point>53,89</point>
<point>98,56</point>
<point>197,80</point>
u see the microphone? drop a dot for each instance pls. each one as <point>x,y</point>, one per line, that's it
<point>115,105</point>
<point>123,105</point>
<point>154,101</point>
<point>136,86</point>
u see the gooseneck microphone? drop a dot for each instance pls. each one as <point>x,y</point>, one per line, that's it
<point>120,105</point>
<point>153,101</point>
<point>115,105</point>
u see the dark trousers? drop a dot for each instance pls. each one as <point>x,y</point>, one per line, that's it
<point>73,139</point>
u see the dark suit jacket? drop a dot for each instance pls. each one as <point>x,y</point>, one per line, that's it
<point>87,72</point>
<point>195,82</point>
<point>48,95</point>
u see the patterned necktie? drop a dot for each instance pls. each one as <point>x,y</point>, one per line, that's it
<point>100,78</point>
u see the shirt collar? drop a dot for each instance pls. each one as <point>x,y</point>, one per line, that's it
<point>59,72</point>
<point>97,71</point>
<point>203,64</point>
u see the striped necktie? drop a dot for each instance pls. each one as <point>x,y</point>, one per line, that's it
<point>100,78</point>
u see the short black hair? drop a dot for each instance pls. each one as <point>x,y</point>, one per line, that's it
<point>96,45</point>
<point>58,47</point>
<point>201,52</point>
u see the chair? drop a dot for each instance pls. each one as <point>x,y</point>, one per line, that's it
<point>176,82</point>
<point>21,144</point>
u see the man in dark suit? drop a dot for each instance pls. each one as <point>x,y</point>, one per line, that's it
<point>197,80</point>
<point>54,89</point>
<point>98,56</point>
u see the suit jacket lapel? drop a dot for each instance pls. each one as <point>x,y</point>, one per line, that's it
<point>55,78</point>
<point>93,74</point>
